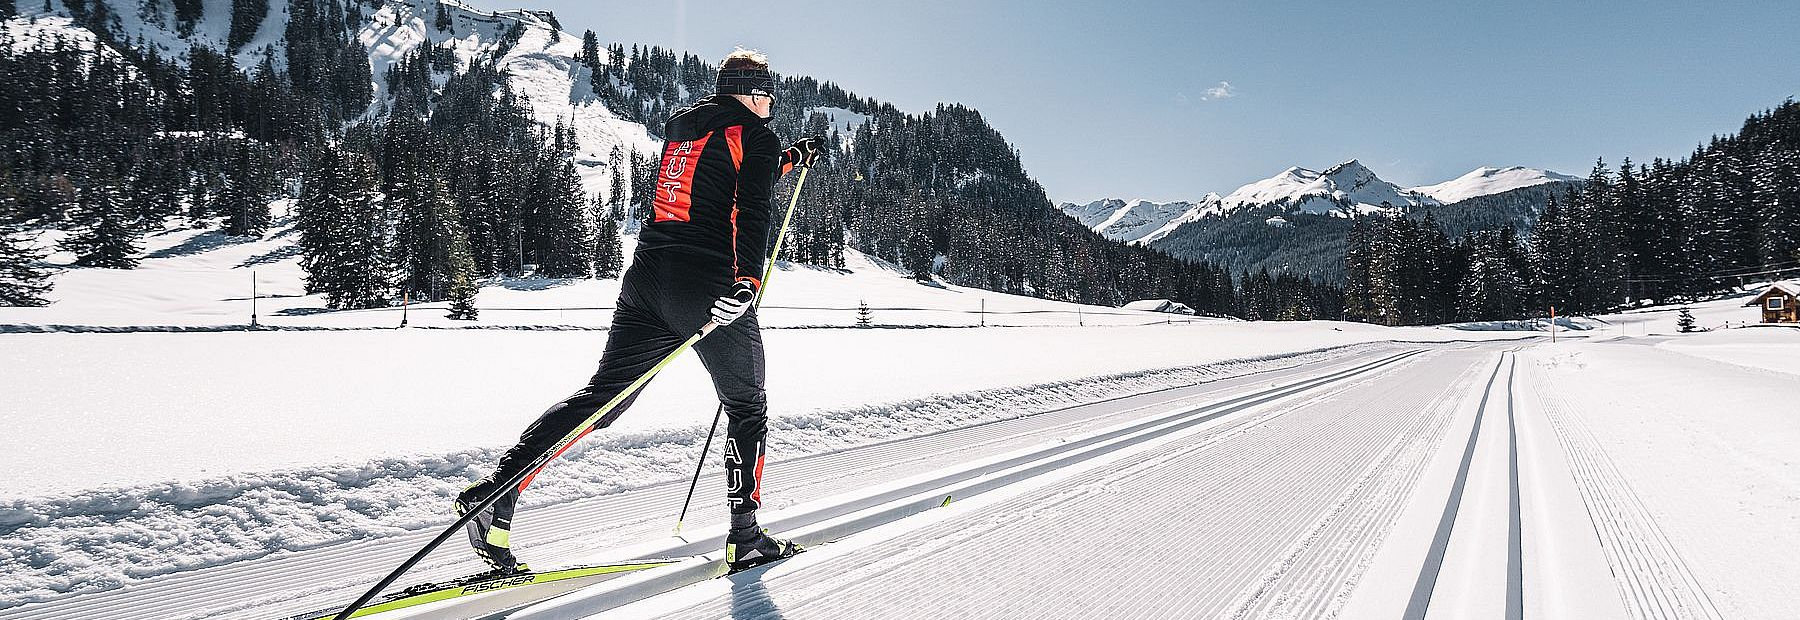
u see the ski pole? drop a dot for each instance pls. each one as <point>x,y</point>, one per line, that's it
<point>539,462</point>
<point>768,270</point>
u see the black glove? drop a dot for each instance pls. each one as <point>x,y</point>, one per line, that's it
<point>734,303</point>
<point>804,153</point>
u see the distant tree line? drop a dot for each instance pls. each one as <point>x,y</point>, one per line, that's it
<point>1644,234</point>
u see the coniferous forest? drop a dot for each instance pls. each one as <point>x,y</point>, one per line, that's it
<point>1672,230</point>
<point>446,180</point>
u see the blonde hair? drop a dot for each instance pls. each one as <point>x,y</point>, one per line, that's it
<point>741,58</point>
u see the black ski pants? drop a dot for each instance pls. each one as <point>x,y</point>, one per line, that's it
<point>665,297</point>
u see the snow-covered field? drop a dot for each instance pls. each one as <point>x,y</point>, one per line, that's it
<point>139,455</point>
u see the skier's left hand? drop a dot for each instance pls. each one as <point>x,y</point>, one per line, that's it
<point>734,303</point>
<point>804,153</point>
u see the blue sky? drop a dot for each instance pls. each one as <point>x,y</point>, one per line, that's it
<point>1125,99</point>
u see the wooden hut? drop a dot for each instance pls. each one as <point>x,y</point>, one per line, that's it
<point>1780,304</point>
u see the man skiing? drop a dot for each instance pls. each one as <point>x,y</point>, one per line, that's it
<point>699,259</point>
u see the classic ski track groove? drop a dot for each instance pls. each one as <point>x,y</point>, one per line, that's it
<point>254,588</point>
<point>870,512</point>
<point>1653,579</point>
<point>1278,532</point>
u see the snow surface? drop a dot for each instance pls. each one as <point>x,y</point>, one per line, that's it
<point>1701,453</point>
<point>1488,180</point>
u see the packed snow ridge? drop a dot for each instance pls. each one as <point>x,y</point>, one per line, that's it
<point>1346,189</point>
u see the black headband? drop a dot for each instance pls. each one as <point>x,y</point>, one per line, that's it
<point>746,81</point>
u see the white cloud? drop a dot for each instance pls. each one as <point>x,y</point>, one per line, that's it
<point>1222,91</point>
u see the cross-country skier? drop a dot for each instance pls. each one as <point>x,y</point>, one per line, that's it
<point>699,259</point>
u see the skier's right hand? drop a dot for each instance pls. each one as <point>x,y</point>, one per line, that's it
<point>804,153</point>
<point>734,303</point>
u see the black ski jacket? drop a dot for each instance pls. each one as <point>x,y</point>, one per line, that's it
<point>712,189</point>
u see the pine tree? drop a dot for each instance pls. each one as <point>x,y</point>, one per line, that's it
<point>342,231</point>
<point>23,280</point>
<point>463,286</point>
<point>110,235</point>
<point>568,251</point>
<point>1559,259</point>
<point>609,253</point>
<point>1684,321</point>
<point>590,50</point>
<point>246,17</point>
<point>427,229</point>
<point>864,316</point>
<point>245,208</point>
<point>442,20</point>
<point>1776,194</point>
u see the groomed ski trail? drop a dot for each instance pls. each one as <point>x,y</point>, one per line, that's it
<point>567,533</point>
<point>1270,512</point>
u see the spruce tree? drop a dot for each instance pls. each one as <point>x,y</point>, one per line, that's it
<point>590,50</point>
<point>246,212</point>
<point>463,285</point>
<point>1684,321</point>
<point>109,237</point>
<point>1559,259</point>
<point>23,279</point>
<point>864,316</point>
<point>342,231</point>
<point>568,251</point>
<point>246,17</point>
<point>609,253</point>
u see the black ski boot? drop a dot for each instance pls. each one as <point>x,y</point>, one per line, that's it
<point>748,546</point>
<point>490,532</point>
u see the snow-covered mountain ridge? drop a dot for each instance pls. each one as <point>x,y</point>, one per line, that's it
<point>1346,189</point>
<point>1487,180</point>
<point>539,59</point>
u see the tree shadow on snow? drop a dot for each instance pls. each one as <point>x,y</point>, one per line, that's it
<point>534,284</point>
<point>203,242</point>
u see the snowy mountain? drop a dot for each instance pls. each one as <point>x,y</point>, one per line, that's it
<point>1342,190</point>
<point>1488,180</point>
<point>530,48</point>
<point>1345,189</point>
<point>1139,221</point>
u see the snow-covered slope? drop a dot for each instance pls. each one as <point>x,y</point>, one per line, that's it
<point>541,64</point>
<point>1488,180</point>
<point>542,67</point>
<point>1139,221</point>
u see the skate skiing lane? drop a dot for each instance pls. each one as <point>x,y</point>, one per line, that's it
<point>1273,512</point>
<point>294,582</point>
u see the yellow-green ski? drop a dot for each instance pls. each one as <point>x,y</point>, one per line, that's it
<point>481,583</point>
